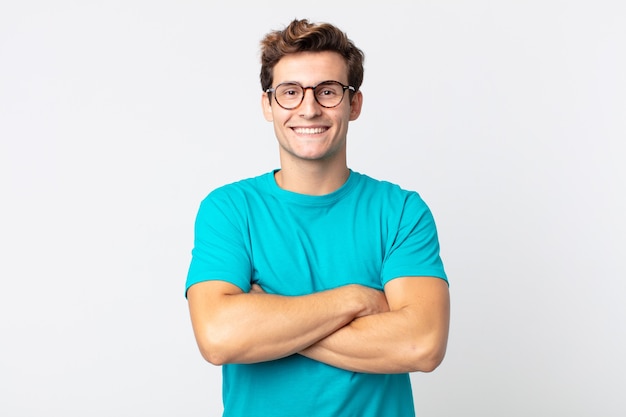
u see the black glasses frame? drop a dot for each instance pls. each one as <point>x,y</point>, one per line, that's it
<point>312,88</point>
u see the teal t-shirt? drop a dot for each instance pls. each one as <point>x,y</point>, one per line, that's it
<point>367,232</point>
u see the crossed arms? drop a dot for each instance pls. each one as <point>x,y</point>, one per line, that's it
<point>357,328</point>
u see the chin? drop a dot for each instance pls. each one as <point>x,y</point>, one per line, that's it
<point>309,154</point>
<point>312,153</point>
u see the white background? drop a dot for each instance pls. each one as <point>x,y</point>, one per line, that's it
<point>118,117</point>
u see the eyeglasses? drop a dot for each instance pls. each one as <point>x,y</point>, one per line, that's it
<point>327,94</point>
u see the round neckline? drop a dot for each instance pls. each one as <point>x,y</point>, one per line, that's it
<point>312,200</point>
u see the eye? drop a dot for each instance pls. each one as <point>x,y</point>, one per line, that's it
<point>328,90</point>
<point>289,91</point>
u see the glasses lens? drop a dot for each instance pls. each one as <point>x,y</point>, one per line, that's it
<point>289,95</point>
<point>329,93</point>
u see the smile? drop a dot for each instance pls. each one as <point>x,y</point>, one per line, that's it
<point>309,130</point>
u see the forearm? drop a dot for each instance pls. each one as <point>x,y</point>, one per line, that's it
<point>259,327</point>
<point>256,327</point>
<point>411,337</point>
<point>381,343</point>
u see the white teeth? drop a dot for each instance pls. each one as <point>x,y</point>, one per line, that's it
<point>309,130</point>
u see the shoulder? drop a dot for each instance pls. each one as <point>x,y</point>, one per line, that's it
<point>234,201</point>
<point>389,192</point>
<point>238,191</point>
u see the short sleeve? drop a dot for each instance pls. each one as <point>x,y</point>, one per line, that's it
<point>414,250</point>
<point>220,251</point>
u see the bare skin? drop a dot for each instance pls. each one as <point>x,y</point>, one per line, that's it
<point>412,336</point>
<point>235,327</point>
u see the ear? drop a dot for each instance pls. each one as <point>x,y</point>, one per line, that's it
<point>355,105</point>
<point>266,105</point>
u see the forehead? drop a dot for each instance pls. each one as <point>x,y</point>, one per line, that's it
<point>310,68</point>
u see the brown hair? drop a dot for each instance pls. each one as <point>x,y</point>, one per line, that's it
<point>302,36</point>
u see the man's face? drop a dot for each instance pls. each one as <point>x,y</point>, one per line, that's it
<point>310,131</point>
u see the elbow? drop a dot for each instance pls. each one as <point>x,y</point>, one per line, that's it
<point>214,356</point>
<point>216,350</point>
<point>427,358</point>
<point>429,363</point>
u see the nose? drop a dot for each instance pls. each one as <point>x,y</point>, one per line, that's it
<point>309,106</point>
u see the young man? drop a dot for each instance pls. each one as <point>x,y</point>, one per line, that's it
<point>317,288</point>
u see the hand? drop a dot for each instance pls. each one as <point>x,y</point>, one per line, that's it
<point>256,289</point>
<point>373,301</point>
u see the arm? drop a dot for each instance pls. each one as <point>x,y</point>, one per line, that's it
<point>411,337</point>
<point>231,326</point>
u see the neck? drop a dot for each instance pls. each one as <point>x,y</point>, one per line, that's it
<point>312,178</point>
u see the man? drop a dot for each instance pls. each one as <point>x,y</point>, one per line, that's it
<point>317,288</point>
